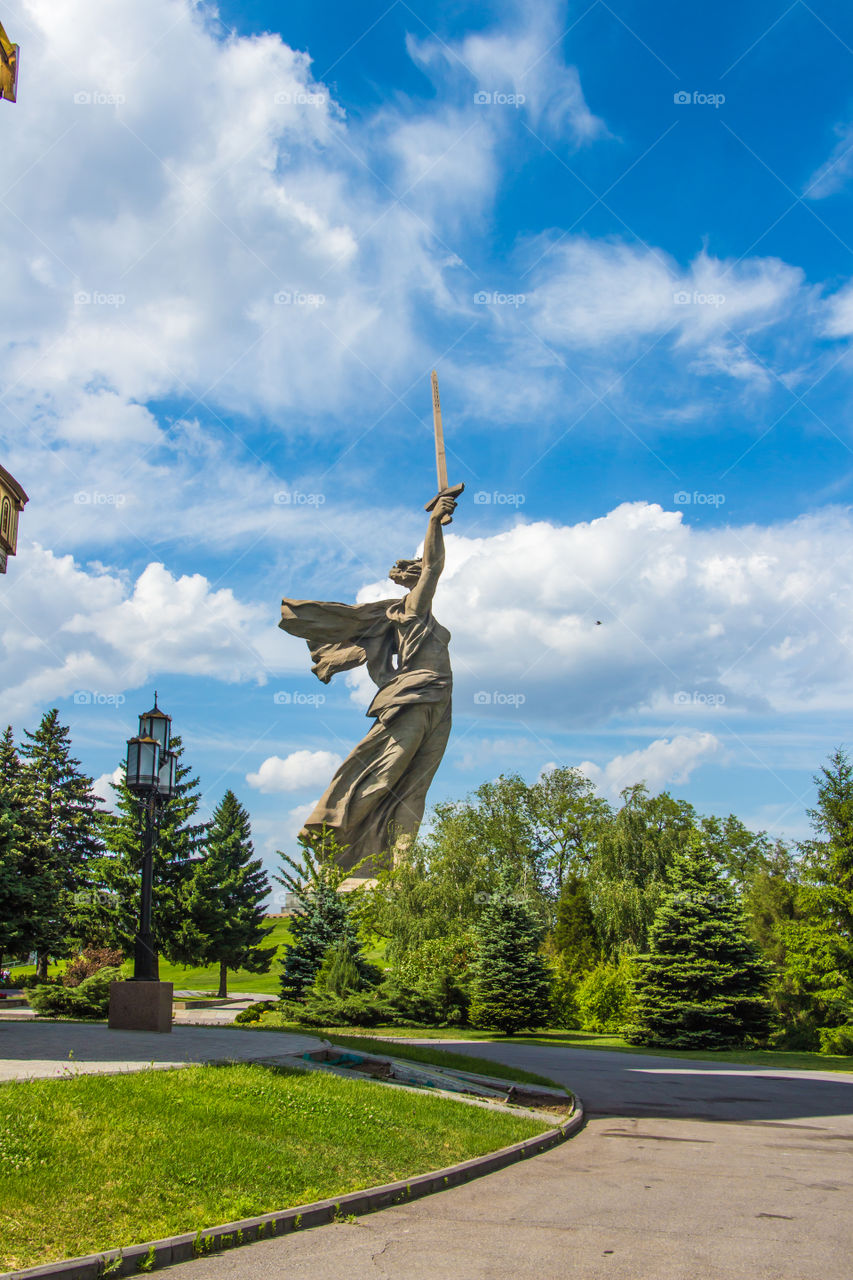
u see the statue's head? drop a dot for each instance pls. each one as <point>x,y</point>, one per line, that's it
<point>406,573</point>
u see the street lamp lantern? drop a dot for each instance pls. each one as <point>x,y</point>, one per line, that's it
<point>167,785</point>
<point>156,724</point>
<point>143,764</point>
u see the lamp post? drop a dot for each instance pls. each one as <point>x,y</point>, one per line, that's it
<point>151,770</point>
<point>145,1003</point>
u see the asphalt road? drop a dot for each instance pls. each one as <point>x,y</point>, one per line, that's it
<point>684,1171</point>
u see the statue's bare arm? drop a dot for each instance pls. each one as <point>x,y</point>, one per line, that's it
<point>419,599</point>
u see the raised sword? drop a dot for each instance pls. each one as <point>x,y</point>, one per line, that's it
<point>444,490</point>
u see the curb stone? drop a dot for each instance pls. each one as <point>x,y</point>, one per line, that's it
<point>154,1254</point>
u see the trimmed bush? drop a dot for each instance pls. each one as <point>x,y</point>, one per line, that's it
<point>91,999</point>
<point>356,1009</point>
<point>254,1012</point>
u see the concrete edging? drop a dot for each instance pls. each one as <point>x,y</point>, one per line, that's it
<point>164,1253</point>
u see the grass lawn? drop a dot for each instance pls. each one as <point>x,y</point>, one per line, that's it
<point>782,1059</point>
<point>436,1057</point>
<point>98,1162</point>
<point>206,977</point>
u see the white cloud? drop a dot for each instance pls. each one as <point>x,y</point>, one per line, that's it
<point>586,293</point>
<point>521,60</point>
<point>838,312</point>
<point>201,228</point>
<point>64,629</point>
<point>832,175</point>
<point>710,621</point>
<point>105,785</point>
<point>662,762</point>
<point>296,772</point>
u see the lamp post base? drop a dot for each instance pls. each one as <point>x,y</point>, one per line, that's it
<point>140,1006</point>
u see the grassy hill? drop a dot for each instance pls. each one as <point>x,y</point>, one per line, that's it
<point>206,977</point>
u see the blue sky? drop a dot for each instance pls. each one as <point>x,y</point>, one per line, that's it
<point>236,242</point>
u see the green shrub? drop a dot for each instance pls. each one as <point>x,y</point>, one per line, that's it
<point>604,997</point>
<point>91,999</point>
<point>836,1039</point>
<point>52,1000</point>
<point>27,981</point>
<point>340,972</point>
<point>254,1012</point>
<point>563,993</point>
<point>357,1009</point>
<point>431,984</point>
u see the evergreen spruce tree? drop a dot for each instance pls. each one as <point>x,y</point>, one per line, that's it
<point>23,882</point>
<point>114,905</point>
<point>575,938</point>
<point>14,899</point>
<point>62,827</point>
<point>703,983</point>
<point>322,918</point>
<point>510,983</point>
<point>224,916</point>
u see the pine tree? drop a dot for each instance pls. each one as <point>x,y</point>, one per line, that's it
<point>224,915</point>
<point>703,983</point>
<point>322,918</point>
<point>510,979</point>
<point>113,915</point>
<point>63,829</point>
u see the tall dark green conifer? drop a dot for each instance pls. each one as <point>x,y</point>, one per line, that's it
<point>114,910</point>
<point>223,900</point>
<point>21,887</point>
<point>703,983</point>
<point>322,916</point>
<point>574,934</point>
<point>63,826</point>
<point>511,980</point>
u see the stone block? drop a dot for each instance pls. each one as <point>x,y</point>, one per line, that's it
<point>141,1006</point>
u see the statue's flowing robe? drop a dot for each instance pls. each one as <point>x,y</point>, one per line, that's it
<point>376,799</point>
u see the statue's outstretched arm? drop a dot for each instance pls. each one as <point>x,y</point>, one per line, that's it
<point>419,599</point>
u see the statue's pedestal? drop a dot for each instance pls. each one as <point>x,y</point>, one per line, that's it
<point>140,1006</point>
<point>357,882</point>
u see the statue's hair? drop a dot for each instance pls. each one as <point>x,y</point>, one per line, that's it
<point>404,569</point>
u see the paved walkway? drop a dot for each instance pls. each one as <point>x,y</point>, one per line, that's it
<point>208,1016</point>
<point>685,1171</point>
<point>45,1049</point>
